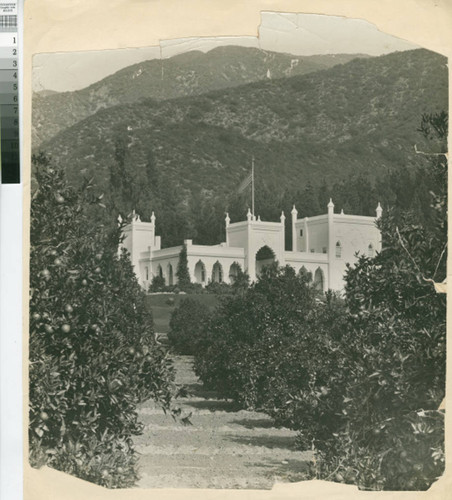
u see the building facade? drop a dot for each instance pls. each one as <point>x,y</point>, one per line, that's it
<point>321,245</point>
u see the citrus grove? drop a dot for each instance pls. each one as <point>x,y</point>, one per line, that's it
<point>93,356</point>
<point>360,377</point>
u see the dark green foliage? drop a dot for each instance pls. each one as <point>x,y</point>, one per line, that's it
<point>397,345</point>
<point>249,330</point>
<point>218,288</point>
<point>92,352</point>
<point>182,273</point>
<point>157,284</point>
<point>240,282</point>
<point>187,325</point>
<point>361,379</point>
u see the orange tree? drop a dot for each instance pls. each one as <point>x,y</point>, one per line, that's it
<point>239,353</point>
<point>360,379</point>
<point>370,407</point>
<point>93,357</point>
<point>391,434</point>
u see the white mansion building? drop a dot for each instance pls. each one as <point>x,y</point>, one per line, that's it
<point>322,245</point>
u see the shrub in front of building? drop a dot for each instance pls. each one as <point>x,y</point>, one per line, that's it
<point>157,284</point>
<point>239,355</point>
<point>187,326</point>
<point>362,386</point>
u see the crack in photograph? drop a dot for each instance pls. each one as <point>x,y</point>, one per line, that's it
<point>236,246</point>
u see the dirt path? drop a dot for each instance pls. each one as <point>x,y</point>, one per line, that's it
<point>224,448</point>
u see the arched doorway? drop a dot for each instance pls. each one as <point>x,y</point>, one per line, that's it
<point>200,272</point>
<point>305,273</point>
<point>217,273</point>
<point>169,273</point>
<point>319,280</point>
<point>264,257</point>
<point>234,271</point>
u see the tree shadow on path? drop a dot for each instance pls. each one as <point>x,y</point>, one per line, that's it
<point>272,442</point>
<point>255,423</point>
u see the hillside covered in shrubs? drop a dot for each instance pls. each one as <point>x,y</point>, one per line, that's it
<point>182,75</point>
<point>348,129</point>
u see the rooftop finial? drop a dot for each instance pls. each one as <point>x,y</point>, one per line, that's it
<point>379,210</point>
<point>331,207</point>
<point>249,215</point>
<point>153,218</point>
<point>227,219</point>
<point>283,217</point>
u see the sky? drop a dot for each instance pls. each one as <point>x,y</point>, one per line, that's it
<point>298,34</point>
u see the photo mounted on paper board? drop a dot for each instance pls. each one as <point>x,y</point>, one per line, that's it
<point>234,245</point>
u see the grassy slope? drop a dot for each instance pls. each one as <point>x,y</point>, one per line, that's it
<point>162,311</point>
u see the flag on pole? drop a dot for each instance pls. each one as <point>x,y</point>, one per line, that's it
<point>245,183</point>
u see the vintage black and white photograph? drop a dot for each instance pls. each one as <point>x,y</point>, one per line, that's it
<point>237,254</point>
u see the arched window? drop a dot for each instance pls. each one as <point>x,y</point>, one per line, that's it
<point>370,250</point>
<point>338,250</point>
<point>170,274</point>
<point>304,272</point>
<point>265,256</point>
<point>200,272</point>
<point>234,271</point>
<point>217,272</point>
<point>147,273</point>
<point>160,271</point>
<point>319,280</point>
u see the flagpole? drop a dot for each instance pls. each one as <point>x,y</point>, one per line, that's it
<point>252,186</point>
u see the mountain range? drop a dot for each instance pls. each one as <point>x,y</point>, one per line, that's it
<point>358,117</point>
<point>192,73</point>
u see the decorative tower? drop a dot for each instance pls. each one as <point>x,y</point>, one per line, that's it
<point>227,221</point>
<point>139,237</point>
<point>294,229</point>
<point>306,234</point>
<point>331,244</point>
